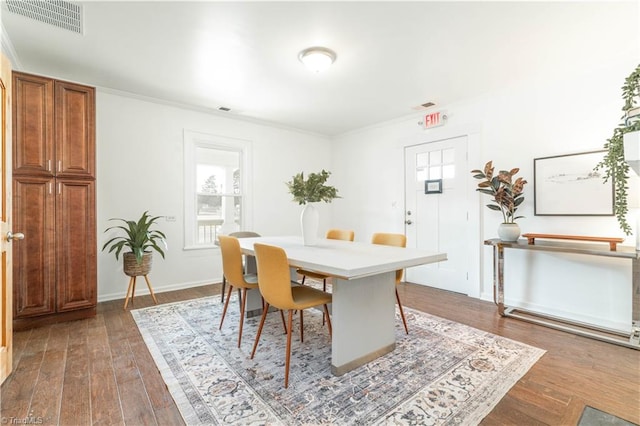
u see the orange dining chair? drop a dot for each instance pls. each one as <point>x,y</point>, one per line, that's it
<point>332,234</point>
<point>398,240</point>
<point>276,289</point>
<point>239,234</point>
<point>233,271</point>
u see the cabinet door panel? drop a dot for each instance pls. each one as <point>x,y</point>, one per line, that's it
<point>33,125</point>
<point>76,244</point>
<point>34,256</point>
<point>75,130</point>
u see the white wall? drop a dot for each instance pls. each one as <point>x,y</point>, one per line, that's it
<point>570,105</point>
<point>140,167</point>
<point>574,110</point>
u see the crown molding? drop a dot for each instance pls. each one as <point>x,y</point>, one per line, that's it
<point>7,48</point>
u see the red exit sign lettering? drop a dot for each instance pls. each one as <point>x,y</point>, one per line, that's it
<point>434,119</point>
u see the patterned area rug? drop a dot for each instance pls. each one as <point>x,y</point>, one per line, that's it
<point>441,373</point>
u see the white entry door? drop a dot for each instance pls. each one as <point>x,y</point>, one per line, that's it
<point>439,221</point>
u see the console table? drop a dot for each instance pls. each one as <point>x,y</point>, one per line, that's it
<point>583,329</point>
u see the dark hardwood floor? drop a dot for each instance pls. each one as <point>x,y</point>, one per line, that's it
<point>98,371</point>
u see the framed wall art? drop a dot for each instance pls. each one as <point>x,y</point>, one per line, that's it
<point>567,185</point>
<point>433,186</point>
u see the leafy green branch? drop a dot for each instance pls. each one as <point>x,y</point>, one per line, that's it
<point>614,165</point>
<point>313,189</point>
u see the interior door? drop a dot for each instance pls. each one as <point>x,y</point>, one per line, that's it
<point>6,309</point>
<point>436,215</point>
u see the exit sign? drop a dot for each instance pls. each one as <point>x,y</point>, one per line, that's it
<point>434,119</point>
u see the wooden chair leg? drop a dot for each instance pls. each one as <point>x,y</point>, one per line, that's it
<point>302,325</point>
<point>303,278</point>
<point>153,296</point>
<point>404,321</point>
<point>126,299</point>
<point>224,284</point>
<point>226,304</point>
<point>326,313</point>
<point>288,357</point>
<point>324,288</point>
<point>264,316</point>
<point>284,324</point>
<point>242,308</point>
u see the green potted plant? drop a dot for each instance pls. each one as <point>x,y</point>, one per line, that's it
<point>313,189</point>
<point>307,192</point>
<point>140,239</point>
<point>507,193</point>
<point>614,163</point>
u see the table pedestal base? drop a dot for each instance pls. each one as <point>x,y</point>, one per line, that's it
<point>364,308</point>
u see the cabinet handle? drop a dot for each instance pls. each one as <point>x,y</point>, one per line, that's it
<point>50,188</point>
<point>49,165</point>
<point>59,165</point>
<point>59,188</point>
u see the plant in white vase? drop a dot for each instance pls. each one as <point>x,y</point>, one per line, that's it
<point>507,193</point>
<point>306,192</point>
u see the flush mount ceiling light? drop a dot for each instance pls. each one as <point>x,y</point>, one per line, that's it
<point>317,58</point>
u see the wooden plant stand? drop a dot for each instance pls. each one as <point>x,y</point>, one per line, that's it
<point>132,289</point>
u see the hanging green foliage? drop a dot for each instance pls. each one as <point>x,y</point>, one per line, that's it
<point>614,165</point>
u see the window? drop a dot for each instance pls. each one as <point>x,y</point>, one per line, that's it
<point>215,187</point>
<point>437,164</point>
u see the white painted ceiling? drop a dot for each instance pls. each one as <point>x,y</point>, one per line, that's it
<point>392,56</point>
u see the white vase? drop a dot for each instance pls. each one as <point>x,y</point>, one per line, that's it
<point>631,146</point>
<point>637,211</point>
<point>509,232</point>
<point>310,221</point>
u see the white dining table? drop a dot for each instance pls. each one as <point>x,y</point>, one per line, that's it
<point>363,306</point>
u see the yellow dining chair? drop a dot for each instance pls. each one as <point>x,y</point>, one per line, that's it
<point>238,234</point>
<point>276,289</point>
<point>398,240</point>
<point>332,234</point>
<point>233,271</point>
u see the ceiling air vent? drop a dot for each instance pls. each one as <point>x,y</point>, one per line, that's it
<point>423,106</point>
<point>60,13</point>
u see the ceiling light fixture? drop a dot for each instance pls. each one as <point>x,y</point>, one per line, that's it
<point>317,58</point>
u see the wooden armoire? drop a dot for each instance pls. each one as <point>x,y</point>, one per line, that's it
<point>54,266</point>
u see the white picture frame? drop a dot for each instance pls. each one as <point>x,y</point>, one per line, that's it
<point>567,185</point>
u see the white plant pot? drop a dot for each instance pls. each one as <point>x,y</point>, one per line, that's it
<point>310,221</point>
<point>638,232</point>
<point>509,232</point>
<point>631,144</point>
<point>636,212</point>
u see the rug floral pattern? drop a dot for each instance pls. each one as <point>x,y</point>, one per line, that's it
<point>441,373</point>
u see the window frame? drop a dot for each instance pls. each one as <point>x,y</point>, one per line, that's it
<point>192,141</point>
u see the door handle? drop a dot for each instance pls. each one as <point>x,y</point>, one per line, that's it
<point>408,222</point>
<point>17,236</point>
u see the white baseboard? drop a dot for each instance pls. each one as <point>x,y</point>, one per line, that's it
<point>141,289</point>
